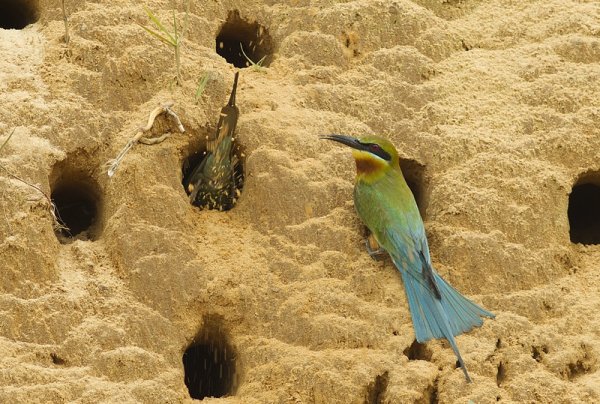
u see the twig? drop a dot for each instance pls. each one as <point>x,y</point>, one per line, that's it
<point>56,225</point>
<point>7,139</point>
<point>154,140</point>
<point>66,23</point>
<point>139,135</point>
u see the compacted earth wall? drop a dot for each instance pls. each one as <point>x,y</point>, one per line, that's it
<point>494,107</point>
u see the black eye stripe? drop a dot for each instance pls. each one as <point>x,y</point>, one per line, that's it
<point>378,151</point>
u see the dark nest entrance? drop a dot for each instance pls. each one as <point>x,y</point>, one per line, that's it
<point>76,199</point>
<point>584,210</point>
<point>414,174</point>
<point>17,14</point>
<point>238,37</point>
<point>209,363</point>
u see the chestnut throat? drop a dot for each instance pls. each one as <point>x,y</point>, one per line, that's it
<point>368,166</point>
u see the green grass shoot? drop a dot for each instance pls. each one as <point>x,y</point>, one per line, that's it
<point>172,40</point>
<point>202,82</point>
<point>255,65</point>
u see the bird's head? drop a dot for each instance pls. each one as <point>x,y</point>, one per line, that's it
<point>373,155</point>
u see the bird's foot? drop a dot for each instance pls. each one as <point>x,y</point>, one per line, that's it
<point>374,249</point>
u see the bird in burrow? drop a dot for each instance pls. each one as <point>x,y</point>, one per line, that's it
<point>215,182</point>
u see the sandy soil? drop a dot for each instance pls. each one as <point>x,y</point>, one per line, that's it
<point>494,106</point>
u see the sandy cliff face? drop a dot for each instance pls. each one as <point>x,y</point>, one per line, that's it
<point>494,107</point>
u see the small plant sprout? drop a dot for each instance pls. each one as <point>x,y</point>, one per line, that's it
<point>173,40</point>
<point>202,82</point>
<point>255,65</point>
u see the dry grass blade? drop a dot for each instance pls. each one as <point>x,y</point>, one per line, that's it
<point>258,65</point>
<point>56,223</point>
<point>64,10</point>
<point>7,139</point>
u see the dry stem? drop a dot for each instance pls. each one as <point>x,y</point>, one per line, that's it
<point>66,23</point>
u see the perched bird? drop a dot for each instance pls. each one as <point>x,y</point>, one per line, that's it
<point>215,182</point>
<point>387,207</point>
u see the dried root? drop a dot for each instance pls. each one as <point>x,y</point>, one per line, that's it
<point>139,135</point>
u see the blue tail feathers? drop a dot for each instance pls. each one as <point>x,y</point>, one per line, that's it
<point>447,317</point>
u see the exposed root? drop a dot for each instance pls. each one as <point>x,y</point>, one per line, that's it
<point>139,135</point>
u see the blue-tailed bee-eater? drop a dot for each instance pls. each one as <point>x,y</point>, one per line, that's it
<point>387,206</point>
<point>214,183</point>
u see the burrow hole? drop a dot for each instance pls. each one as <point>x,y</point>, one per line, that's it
<point>209,363</point>
<point>376,390</point>
<point>584,210</point>
<point>418,352</point>
<point>538,353</point>
<point>414,174</point>
<point>223,199</point>
<point>57,360</point>
<point>500,374</point>
<point>237,34</point>
<point>17,14</point>
<point>76,196</point>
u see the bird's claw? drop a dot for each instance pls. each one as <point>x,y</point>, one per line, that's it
<point>374,249</point>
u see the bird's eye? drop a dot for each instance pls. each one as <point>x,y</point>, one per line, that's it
<point>375,148</point>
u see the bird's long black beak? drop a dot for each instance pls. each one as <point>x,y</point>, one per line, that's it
<point>347,140</point>
<point>231,102</point>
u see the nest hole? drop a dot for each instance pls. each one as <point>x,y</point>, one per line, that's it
<point>584,210</point>
<point>17,14</point>
<point>501,374</point>
<point>225,199</point>
<point>376,389</point>
<point>418,352</point>
<point>57,360</point>
<point>209,363</point>
<point>414,174</point>
<point>76,198</point>
<point>237,34</point>
<point>537,353</point>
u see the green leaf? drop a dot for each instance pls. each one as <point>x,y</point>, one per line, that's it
<point>161,27</point>
<point>202,85</point>
<point>157,35</point>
